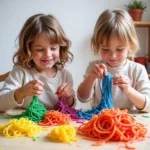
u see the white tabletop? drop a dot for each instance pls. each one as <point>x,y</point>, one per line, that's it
<point>42,143</point>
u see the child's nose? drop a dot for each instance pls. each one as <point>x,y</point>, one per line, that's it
<point>48,52</point>
<point>113,55</point>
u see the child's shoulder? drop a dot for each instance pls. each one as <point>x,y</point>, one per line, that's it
<point>17,67</point>
<point>65,74</point>
<point>20,69</point>
<point>136,68</point>
<point>135,65</point>
<point>65,71</point>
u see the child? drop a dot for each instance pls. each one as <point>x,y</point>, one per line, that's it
<point>39,66</point>
<point>115,39</point>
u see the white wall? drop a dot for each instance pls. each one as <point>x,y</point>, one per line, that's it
<point>77,17</point>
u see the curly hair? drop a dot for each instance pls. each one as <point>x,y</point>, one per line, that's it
<point>35,25</point>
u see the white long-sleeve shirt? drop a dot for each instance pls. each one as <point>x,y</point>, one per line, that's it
<point>20,76</point>
<point>139,81</point>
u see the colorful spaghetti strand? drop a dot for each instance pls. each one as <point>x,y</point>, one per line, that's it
<point>63,107</point>
<point>34,112</point>
<point>106,101</point>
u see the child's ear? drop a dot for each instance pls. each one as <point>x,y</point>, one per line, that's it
<point>130,48</point>
<point>130,45</point>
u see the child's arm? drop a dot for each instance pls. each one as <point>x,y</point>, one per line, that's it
<point>85,88</point>
<point>137,98</point>
<point>13,81</point>
<point>16,79</point>
<point>140,96</point>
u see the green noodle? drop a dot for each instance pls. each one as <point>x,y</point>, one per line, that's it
<point>34,112</point>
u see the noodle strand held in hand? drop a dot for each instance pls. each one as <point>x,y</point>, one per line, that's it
<point>106,101</point>
<point>34,112</point>
<point>63,107</point>
<point>112,125</point>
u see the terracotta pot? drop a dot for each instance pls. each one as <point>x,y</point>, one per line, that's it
<point>136,14</point>
<point>141,60</point>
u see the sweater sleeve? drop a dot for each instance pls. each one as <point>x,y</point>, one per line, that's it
<point>88,70</point>
<point>14,81</point>
<point>143,86</point>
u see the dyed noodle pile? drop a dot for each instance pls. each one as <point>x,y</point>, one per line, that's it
<point>19,128</point>
<point>63,133</point>
<point>53,118</point>
<point>105,103</point>
<point>112,125</point>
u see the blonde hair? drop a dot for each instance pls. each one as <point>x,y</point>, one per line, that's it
<point>34,26</point>
<point>115,22</point>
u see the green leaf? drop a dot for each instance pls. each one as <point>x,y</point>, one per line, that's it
<point>136,4</point>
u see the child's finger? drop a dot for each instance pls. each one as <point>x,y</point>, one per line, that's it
<point>97,73</point>
<point>68,92</point>
<point>63,91</point>
<point>38,87</point>
<point>100,71</point>
<point>38,82</point>
<point>121,80</point>
<point>59,90</point>
<point>122,85</point>
<point>104,68</point>
<point>116,78</point>
<point>36,93</point>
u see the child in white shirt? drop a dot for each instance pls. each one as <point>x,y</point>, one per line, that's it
<point>115,39</point>
<point>39,66</point>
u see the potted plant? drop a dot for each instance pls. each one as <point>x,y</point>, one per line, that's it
<point>136,8</point>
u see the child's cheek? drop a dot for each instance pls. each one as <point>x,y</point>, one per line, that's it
<point>103,55</point>
<point>56,54</point>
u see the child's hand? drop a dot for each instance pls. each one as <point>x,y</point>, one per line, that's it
<point>33,88</point>
<point>65,91</point>
<point>99,71</point>
<point>122,81</point>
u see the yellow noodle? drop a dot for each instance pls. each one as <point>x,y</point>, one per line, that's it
<point>63,133</point>
<point>19,128</point>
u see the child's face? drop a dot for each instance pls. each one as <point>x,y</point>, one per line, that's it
<point>44,53</point>
<point>115,52</point>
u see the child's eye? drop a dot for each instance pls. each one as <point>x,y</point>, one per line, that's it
<point>39,50</point>
<point>119,49</point>
<point>105,49</point>
<point>53,48</point>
